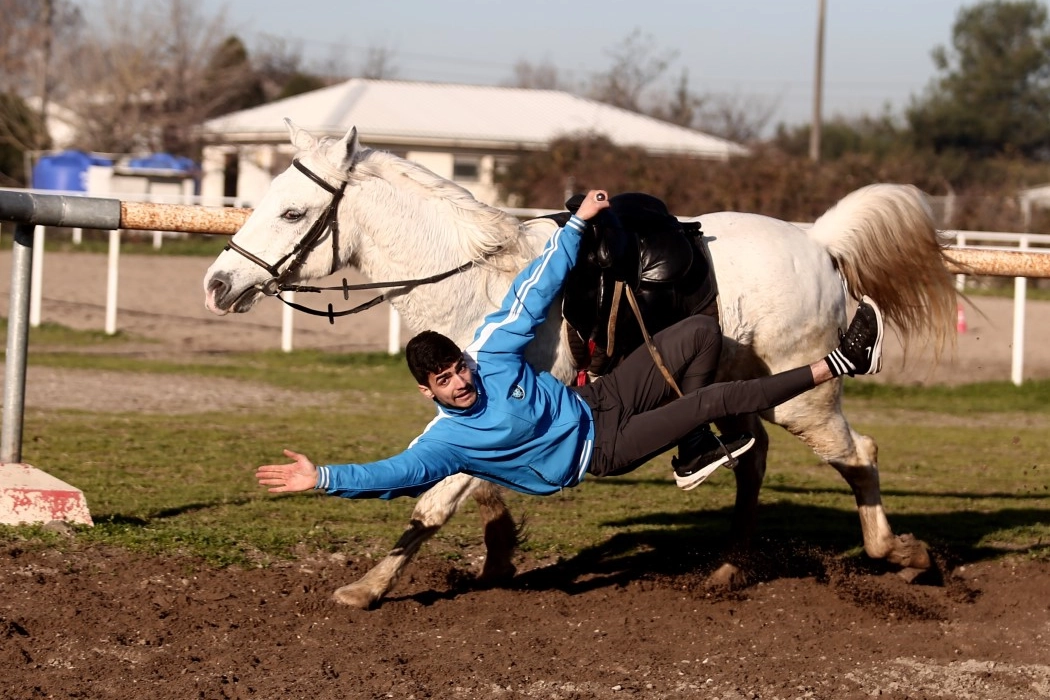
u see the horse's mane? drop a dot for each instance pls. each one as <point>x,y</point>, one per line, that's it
<point>486,234</point>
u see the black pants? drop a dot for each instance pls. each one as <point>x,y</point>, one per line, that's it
<point>637,415</point>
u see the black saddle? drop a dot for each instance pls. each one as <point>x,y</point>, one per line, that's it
<point>638,243</point>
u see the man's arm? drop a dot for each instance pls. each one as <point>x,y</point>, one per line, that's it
<point>526,304</point>
<point>409,473</point>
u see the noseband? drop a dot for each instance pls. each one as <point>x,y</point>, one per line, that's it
<point>328,220</point>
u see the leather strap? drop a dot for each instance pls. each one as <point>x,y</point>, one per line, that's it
<point>649,341</point>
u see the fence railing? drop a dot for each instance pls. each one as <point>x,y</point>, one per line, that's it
<point>981,240</point>
<point>31,211</point>
<point>999,240</point>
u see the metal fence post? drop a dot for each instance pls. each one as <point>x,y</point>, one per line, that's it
<point>17,344</point>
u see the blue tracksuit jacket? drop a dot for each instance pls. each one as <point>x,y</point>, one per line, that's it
<point>526,430</point>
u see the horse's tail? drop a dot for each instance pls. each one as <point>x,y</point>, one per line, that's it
<point>885,244</point>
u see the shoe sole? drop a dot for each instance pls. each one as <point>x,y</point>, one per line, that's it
<point>688,483</point>
<point>876,353</point>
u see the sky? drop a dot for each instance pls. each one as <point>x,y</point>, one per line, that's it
<point>877,54</point>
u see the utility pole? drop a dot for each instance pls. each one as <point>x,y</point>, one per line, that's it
<point>47,39</point>
<point>818,87</point>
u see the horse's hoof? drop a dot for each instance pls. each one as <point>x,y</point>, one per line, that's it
<point>910,574</point>
<point>727,577</point>
<point>910,553</point>
<point>493,575</point>
<point>355,596</point>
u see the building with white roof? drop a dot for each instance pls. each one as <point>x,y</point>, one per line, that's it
<point>462,132</point>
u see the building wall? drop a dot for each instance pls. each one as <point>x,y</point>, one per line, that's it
<point>259,164</point>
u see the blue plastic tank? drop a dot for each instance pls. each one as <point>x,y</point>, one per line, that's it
<point>65,171</point>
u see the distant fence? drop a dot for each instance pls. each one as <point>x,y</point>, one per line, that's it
<point>31,210</point>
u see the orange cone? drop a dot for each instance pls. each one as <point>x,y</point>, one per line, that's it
<point>960,319</point>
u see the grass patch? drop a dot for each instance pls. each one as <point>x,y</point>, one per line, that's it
<point>1003,288</point>
<point>133,242</point>
<point>53,334</point>
<point>305,370</point>
<point>184,483</point>
<point>970,399</point>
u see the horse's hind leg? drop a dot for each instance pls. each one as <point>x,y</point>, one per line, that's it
<point>816,418</point>
<point>432,511</point>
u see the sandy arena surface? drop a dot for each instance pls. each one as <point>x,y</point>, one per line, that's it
<point>107,624</point>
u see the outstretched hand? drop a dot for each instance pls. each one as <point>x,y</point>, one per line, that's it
<point>300,475</point>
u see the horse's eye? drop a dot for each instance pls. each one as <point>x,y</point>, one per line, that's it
<point>291,215</point>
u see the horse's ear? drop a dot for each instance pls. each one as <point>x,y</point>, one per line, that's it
<point>301,139</point>
<point>350,149</point>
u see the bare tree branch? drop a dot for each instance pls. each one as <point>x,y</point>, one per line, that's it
<point>537,76</point>
<point>635,67</point>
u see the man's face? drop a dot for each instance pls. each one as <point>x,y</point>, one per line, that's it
<point>452,387</point>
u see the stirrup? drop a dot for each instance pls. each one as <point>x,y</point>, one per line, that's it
<point>731,461</point>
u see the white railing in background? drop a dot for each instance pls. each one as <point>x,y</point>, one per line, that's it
<point>990,240</point>
<point>1015,241</point>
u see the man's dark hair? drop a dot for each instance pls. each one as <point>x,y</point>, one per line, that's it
<point>429,353</point>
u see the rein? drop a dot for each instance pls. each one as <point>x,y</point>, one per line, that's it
<point>332,314</point>
<point>327,221</point>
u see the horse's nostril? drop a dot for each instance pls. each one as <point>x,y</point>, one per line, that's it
<point>218,289</point>
<point>218,285</point>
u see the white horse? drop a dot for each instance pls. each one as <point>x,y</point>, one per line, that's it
<point>782,300</point>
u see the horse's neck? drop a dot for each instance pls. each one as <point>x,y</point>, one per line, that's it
<point>401,237</point>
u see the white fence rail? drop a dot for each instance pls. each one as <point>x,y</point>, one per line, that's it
<point>1013,241</point>
<point>989,240</point>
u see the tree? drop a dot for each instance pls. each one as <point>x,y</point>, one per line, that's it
<point>230,83</point>
<point>280,66</point>
<point>737,118</point>
<point>635,67</point>
<point>994,94</point>
<point>149,72</point>
<point>535,76</point>
<point>683,106</point>
<point>877,136</point>
<point>378,64</point>
<point>36,33</point>
<point>19,127</point>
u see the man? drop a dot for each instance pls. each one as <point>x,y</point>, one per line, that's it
<point>501,420</point>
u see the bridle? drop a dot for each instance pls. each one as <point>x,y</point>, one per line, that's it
<point>297,255</point>
<point>326,222</point>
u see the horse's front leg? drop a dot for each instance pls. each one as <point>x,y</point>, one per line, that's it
<point>749,473</point>
<point>433,510</point>
<point>501,535</point>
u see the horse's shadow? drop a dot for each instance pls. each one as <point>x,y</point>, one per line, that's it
<point>797,541</point>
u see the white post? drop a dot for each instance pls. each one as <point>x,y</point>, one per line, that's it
<point>1020,288</point>
<point>960,280</point>
<point>393,339</point>
<point>36,280</point>
<point>287,315</point>
<point>78,236</point>
<point>112,269</point>
<point>158,239</point>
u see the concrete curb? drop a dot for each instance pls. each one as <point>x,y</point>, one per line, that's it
<point>28,495</point>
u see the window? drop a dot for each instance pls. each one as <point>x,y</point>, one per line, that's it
<point>466,168</point>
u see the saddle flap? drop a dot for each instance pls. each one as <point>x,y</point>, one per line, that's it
<point>664,256</point>
<point>639,243</point>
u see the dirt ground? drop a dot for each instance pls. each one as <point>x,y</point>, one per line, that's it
<point>97,623</point>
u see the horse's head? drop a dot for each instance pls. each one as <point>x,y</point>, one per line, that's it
<point>293,233</point>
